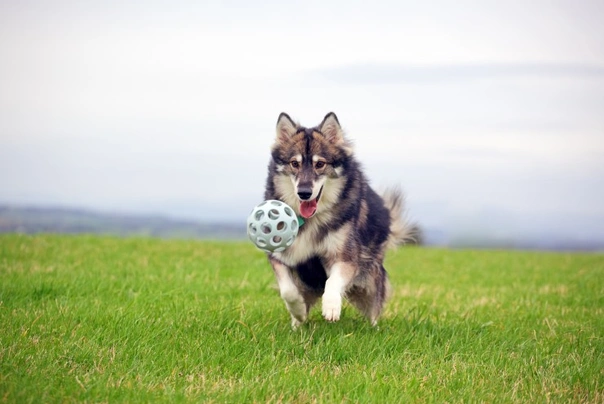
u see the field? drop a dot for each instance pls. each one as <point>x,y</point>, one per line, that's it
<point>101,319</point>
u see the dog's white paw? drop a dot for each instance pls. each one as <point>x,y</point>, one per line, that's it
<point>332,307</point>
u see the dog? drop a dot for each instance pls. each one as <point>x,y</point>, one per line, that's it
<point>340,247</point>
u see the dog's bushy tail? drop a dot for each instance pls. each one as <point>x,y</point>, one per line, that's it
<point>401,230</point>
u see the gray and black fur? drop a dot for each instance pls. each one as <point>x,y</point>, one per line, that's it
<point>340,249</point>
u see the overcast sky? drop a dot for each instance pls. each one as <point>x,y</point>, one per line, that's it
<point>170,107</point>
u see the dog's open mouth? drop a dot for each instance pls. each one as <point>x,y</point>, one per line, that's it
<point>309,208</point>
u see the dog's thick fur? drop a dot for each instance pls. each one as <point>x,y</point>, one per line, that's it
<point>340,249</point>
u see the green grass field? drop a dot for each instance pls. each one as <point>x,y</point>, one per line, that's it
<point>99,319</point>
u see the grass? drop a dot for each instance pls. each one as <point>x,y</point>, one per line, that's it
<point>99,319</point>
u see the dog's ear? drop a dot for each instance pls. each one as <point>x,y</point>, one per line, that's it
<point>331,128</point>
<point>286,128</point>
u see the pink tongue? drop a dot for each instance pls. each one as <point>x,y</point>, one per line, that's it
<point>307,209</point>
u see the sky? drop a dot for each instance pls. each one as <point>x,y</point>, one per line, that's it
<point>488,114</point>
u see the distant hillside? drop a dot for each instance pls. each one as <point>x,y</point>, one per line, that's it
<point>493,230</point>
<point>32,220</point>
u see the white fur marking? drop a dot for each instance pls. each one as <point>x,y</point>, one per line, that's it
<point>316,188</point>
<point>334,289</point>
<point>290,294</point>
<point>285,188</point>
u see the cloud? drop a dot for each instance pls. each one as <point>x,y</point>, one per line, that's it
<point>396,73</point>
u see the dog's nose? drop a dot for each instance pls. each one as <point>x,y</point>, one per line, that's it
<point>304,194</point>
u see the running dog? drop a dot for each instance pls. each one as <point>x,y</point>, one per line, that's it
<point>339,250</point>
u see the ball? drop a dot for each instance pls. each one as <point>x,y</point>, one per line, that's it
<point>272,226</point>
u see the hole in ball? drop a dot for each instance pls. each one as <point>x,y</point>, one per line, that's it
<point>289,241</point>
<point>273,214</point>
<point>288,211</point>
<point>277,239</point>
<point>253,229</point>
<point>261,242</point>
<point>266,228</point>
<point>259,215</point>
<point>281,226</point>
<point>294,225</point>
<point>276,203</point>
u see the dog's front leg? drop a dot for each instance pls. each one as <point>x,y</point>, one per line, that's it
<point>294,301</point>
<point>340,276</point>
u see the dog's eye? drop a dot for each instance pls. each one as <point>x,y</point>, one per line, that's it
<point>295,164</point>
<point>319,164</point>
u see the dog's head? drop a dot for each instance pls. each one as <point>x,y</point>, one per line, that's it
<point>307,160</point>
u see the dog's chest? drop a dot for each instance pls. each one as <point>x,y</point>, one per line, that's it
<point>304,247</point>
<point>314,243</point>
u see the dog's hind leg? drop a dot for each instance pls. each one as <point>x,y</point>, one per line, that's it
<point>369,298</point>
<point>382,291</point>
<point>294,301</point>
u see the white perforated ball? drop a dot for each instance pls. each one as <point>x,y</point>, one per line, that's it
<point>272,226</point>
